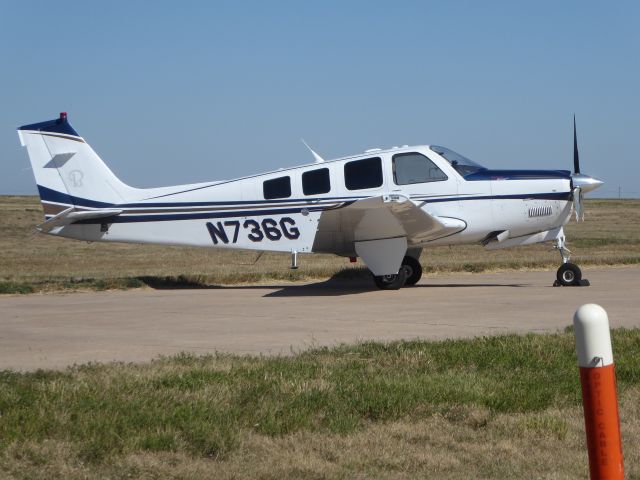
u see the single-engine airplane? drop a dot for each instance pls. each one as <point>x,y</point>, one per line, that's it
<point>383,206</point>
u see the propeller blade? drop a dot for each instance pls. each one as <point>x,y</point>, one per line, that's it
<point>577,203</point>
<point>576,157</point>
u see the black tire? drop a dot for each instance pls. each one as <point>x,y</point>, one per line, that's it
<point>391,282</point>
<point>413,270</point>
<point>569,274</point>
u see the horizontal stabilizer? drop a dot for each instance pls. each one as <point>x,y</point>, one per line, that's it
<point>70,215</point>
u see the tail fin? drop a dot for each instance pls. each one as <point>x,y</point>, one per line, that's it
<point>67,170</point>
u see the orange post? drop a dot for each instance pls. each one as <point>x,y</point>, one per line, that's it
<point>600,400</point>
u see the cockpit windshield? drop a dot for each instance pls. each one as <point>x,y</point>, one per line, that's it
<point>461,164</point>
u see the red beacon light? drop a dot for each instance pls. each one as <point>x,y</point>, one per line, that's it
<point>63,116</point>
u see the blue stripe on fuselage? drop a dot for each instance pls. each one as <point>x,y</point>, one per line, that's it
<point>49,195</point>
<point>123,218</point>
<point>487,174</point>
<point>519,196</point>
<point>158,216</point>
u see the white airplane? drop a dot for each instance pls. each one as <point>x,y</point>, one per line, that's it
<point>383,206</point>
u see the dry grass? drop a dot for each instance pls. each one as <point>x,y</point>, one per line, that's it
<point>475,445</point>
<point>33,262</point>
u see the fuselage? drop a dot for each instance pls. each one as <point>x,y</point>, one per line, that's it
<point>306,208</point>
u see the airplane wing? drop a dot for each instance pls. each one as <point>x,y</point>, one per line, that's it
<point>382,227</point>
<point>392,215</point>
<point>70,215</point>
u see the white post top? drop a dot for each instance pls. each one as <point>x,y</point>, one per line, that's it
<point>593,338</point>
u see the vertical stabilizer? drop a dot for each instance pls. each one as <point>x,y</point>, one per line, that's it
<point>67,170</point>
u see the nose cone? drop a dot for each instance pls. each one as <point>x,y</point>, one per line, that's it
<point>585,182</point>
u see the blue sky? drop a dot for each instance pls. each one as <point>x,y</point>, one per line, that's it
<point>181,92</point>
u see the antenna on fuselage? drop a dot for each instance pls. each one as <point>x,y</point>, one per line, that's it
<point>317,157</point>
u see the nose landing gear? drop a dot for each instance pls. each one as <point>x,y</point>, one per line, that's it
<point>569,274</point>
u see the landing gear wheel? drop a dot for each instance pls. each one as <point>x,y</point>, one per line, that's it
<point>569,274</point>
<point>413,269</point>
<point>391,282</point>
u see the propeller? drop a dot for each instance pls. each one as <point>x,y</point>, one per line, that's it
<point>580,183</point>
<point>577,191</point>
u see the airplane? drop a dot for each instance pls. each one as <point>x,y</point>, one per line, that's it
<point>383,206</point>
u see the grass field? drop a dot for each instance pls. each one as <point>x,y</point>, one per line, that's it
<point>31,262</point>
<point>499,407</point>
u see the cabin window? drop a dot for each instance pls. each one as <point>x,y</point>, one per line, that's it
<point>413,167</point>
<point>277,188</point>
<point>316,181</point>
<point>361,174</point>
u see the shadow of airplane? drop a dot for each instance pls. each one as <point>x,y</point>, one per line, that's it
<point>333,287</point>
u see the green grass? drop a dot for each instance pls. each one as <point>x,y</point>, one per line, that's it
<point>205,406</point>
<point>16,287</point>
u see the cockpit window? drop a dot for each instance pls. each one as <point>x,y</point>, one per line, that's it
<point>412,167</point>
<point>461,164</point>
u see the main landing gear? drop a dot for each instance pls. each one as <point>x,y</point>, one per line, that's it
<point>409,274</point>
<point>569,274</point>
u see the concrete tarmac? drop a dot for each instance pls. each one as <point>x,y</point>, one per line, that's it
<point>57,330</point>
